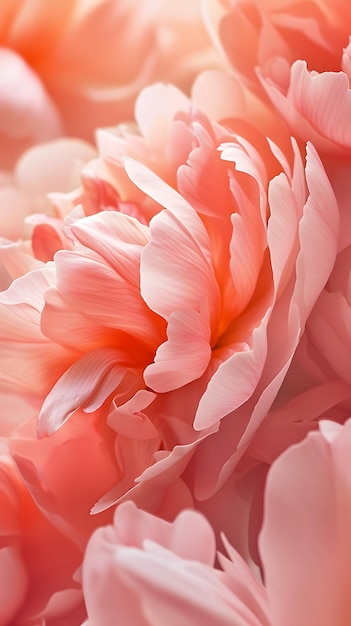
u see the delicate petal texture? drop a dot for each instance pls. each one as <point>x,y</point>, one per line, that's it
<point>175,312</point>
<point>185,355</point>
<point>306,525</point>
<point>234,381</point>
<point>128,419</point>
<point>319,231</point>
<point>179,250</point>
<point>145,571</point>
<point>85,385</point>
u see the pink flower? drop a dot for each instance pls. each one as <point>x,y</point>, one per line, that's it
<point>47,490</point>
<point>145,571</point>
<point>174,324</point>
<point>57,78</point>
<point>298,55</point>
<point>37,561</point>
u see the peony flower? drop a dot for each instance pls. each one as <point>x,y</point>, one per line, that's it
<point>144,571</point>
<point>296,56</point>
<point>184,374</point>
<point>174,312</point>
<point>37,561</point>
<point>57,79</point>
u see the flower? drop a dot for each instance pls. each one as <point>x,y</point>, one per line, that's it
<point>148,571</point>
<point>274,37</point>
<point>37,561</point>
<point>296,57</point>
<point>184,374</point>
<point>174,309</point>
<point>57,79</point>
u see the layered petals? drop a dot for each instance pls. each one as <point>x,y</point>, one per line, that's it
<point>150,575</point>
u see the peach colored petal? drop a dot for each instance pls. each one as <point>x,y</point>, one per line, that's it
<point>155,109</point>
<point>86,384</point>
<point>157,572</point>
<point>318,233</point>
<point>243,582</point>
<point>51,167</point>
<point>240,373</point>
<point>346,61</point>
<point>133,526</point>
<point>82,276</point>
<point>307,513</point>
<point>316,106</point>
<point>128,419</point>
<point>329,328</point>
<point>69,327</point>
<point>177,591</point>
<point>166,196</point>
<point>48,237</point>
<point>27,111</point>
<point>290,423</point>
<point>64,475</point>
<point>323,99</point>
<point>176,234</point>
<point>29,546</point>
<point>159,469</point>
<point>39,26</point>
<point>247,246</point>
<point>219,95</point>
<point>14,583</point>
<point>134,456</point>
<point>27,357</point>
<point>282,230</point>
<point>184,356</point>
<point>219,456</point>
<point>14,209</point>
<point>17,259</point>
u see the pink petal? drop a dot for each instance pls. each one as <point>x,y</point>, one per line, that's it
<point>70,328</point>
<point>190,536</point>
<point>52,167</point>
<point>128,419</point>
<point>219,95</point>
<point>244,584</point>
<point>178,257</point>
<point>184,356</point>
<point>305,541</point>
<point>94,288</point>
<point>282,231</point>
<point>318,233</point>
<point>175,591</point>
<point>155,108</point>
<point>329,327</point>
<point>86,384</point>
<point>234,381</point>
<point>27,111</point>
<point>14,584</point>
<point>147,569</point>
<point>316,106</point>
